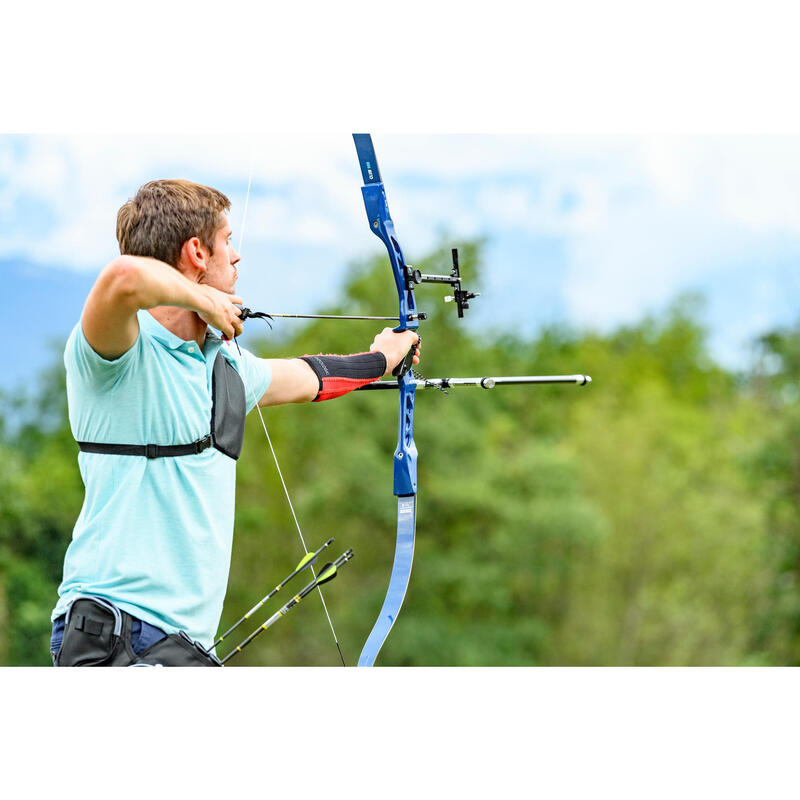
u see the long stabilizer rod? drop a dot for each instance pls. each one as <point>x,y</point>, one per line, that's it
<point>484,383</point>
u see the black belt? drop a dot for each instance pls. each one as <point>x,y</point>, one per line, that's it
<point>148,450</point>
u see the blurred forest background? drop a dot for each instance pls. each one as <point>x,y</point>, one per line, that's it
<point>650,518</point>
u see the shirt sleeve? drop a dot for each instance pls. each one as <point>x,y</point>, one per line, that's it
<point>256,376</point>
<point>86,365</point>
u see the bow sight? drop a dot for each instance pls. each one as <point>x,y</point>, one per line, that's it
<point>460,296</point>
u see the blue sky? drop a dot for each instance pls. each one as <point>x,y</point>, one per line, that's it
<point>594,230</point>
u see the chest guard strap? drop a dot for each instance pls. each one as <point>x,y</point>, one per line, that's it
<point>228,410</point>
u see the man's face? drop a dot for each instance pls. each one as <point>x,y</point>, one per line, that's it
<point>221,272</point>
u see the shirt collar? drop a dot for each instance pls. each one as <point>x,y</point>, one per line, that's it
<point>157,331</point>
<point>161,334</point>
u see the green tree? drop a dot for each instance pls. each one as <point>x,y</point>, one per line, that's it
<point>650,518</point>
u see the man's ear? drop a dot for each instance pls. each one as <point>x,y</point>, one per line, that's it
<point>194,258</point>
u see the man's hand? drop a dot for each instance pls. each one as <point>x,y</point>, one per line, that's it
<point>395,346</point>
<point>130,283</point>
<point>223,314</point>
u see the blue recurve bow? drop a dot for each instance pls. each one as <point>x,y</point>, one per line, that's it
<point>406,383</point>
<point>405,456</point>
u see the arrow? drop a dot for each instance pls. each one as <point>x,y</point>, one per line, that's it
<point>304,563</point>
<point>267,316</point>
<point>327,573</point>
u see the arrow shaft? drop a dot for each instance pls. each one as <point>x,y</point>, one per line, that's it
<point>342,316</point>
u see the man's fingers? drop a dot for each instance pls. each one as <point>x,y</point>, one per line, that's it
<point>237,325</point>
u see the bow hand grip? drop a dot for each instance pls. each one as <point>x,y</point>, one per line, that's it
<point>405,365</point>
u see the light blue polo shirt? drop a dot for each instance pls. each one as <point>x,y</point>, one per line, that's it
<point>154,536</point>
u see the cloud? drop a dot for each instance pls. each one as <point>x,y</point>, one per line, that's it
<point>635,219</point>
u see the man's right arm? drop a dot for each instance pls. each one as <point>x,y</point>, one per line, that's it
<point>130,283</point>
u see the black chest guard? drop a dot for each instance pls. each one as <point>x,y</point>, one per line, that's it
<point>228,408</point>
<point>228,411</point>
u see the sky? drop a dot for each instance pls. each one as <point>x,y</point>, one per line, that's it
<point>589,230</point>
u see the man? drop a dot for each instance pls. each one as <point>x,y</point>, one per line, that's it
<point>157,404</point>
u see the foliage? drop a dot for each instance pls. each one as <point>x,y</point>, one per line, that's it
<point>650,518</point>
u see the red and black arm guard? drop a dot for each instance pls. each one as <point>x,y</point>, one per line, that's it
<point>339,375</point>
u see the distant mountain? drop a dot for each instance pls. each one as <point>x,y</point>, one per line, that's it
<point>39,306</point>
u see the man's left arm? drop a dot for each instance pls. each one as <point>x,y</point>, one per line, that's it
<point>296,381</point>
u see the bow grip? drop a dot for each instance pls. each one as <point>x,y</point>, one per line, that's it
<point>405,365</point>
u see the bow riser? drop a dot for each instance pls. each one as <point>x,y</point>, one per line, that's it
<point>405,456</point>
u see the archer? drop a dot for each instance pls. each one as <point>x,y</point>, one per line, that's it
<point>157,402</point>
